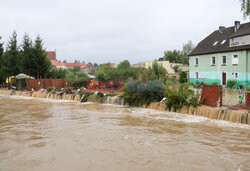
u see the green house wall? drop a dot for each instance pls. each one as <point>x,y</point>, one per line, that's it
<point>213,74</point>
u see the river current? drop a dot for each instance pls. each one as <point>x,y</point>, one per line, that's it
<point>44,134</point>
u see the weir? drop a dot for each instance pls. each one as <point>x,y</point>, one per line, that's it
<point>234,116</point>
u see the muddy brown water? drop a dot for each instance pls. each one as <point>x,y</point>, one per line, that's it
<point>44,134</point>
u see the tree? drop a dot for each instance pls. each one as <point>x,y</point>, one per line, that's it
<point>245,8</point>
<point>28,58</point>
<point>186,50</point>
<point>1,55</point>
<point>173,56</point>
<point>183,77</point>
<point>56,73</point>
<point>125,70</point>
<point>156,72</point>
<point>11,58</point>
<point>105,72</point>
<point>42,63</point>
<point>64,61</point>
<point>76,77</point>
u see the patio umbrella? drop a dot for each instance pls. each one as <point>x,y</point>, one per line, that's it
<point>22,76</point>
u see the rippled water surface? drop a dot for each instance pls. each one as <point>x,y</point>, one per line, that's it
<point>40,134</point>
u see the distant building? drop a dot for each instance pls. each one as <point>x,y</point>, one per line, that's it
<point>169,66</point>
<point>223,55</point>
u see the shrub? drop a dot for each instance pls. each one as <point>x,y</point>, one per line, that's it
<point>138,93</point>
<point>171,81</point>
<point>76,77</point>
<point>183,77</point>
<point>176,98</point>
<point>231,83</point>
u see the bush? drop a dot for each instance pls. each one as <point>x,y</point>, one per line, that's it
<point>231,83</point>
<point>171,81</point>
<point>183,77</point>
<point>177,98</point>
<point>138,93</point>
<point>76,77</point>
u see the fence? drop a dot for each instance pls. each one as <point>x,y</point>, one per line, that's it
<point>211,94</point>
<point>45,83</point>
<point>104,86</point>
<point>247,100</point>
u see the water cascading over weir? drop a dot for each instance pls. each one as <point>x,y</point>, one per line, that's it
<point>234,116</point>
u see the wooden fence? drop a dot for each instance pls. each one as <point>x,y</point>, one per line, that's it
<point>45,83</point>
<point>211,94</point>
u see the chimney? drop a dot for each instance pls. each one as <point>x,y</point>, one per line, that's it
<point>236,26</point>
<point>221,28</point>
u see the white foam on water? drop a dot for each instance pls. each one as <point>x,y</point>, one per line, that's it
<point>37,98</point>
<point>164,115</point>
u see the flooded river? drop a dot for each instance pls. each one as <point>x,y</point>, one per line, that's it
<point>42,134</point>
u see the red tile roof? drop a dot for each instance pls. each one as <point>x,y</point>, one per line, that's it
<point>71,64</point>
<point>57,63</point>
<point>51,55</point>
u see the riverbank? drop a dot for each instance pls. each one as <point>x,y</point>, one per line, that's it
<point>234,116</point>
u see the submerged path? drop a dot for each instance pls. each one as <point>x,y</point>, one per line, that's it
<point>42,134</point>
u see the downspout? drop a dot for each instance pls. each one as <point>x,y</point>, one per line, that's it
<point>247,69</point>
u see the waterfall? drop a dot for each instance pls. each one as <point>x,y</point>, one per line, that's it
<point>113,100</point>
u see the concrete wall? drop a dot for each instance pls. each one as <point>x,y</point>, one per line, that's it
<point>213,74</point>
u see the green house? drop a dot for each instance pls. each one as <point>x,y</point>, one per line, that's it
<point>223,55</point>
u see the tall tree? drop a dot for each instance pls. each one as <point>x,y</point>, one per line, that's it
<point>42,63</point>
<point>28,57</point>
<point>1,55</point>
<point>186,49</point>
<point>11,58</point>
<point>245,8</point>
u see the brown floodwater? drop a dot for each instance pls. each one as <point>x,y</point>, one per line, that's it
<point>43,134</point>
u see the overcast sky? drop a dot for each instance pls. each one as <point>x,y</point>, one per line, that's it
<point>114,30</point>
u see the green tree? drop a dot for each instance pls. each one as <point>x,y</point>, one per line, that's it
<point>183,77</point>
<point>1,55</point>
<point>186,50</point>
<point>156,72</point>
<point>125,70</point>
<point>42,63</point>
<point>173,56</point>
<point>11,58</point>
<point>76,77</point>
<point>28,58</point>
<point>245,8</point>
<point>56,73</point>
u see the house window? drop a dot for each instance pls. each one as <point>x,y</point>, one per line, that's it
<point>213,60</point>
<point>196,75</point>
<point>196,61</point>
<point>235,41</point>
<point>224,60</point>
<point>235,60</point>
<point>215,43</point>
